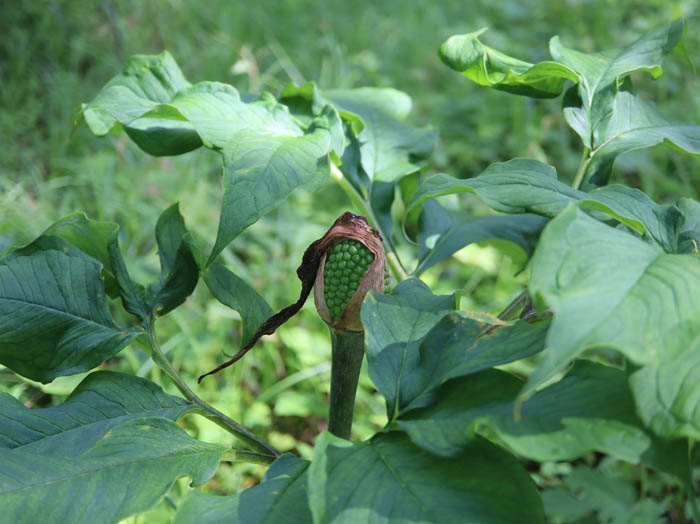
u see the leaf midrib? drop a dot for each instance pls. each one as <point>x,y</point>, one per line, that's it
<point>59,312</point>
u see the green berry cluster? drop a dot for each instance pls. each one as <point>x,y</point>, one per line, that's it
<point>345,266</point>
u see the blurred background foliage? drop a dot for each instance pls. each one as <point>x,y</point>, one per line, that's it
<point>56,54</point>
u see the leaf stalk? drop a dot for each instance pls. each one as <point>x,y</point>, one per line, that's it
<point>582,168</point>
<point>391,257</point>
<point>205,409</point>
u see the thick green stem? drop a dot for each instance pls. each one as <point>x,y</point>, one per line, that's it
<point>348,350</point>
<point>582,168</point>
<point>205,409</point>
<point>391,256</point>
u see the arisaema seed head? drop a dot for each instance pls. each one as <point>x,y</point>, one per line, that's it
<point>352,263</point>
<point>342,266</point>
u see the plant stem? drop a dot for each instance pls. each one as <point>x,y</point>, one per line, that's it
<point>239,455</point>
<point>348,350</point>
<point>690,487</point>
<point>205,409</point>
<point>511,310</point>
<point>582,168</point>
<point>391,256</point>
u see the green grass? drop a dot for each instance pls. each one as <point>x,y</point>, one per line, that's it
<point>56,55</point>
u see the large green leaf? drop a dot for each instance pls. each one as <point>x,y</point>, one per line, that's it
<point>414,343</point>
<point>280,497</point>
<point>603,284</point>
<point>600,73</point>
<point>90,236</point>
<point>262,170</point>
<point>462,344</point>
<point>630,124</point>
<point>217,112</point>
<point>389,480</point>
<point>54,318</point>
<point>590,409</point>
<point>394,322</point>
<point>267,152</point>
<point>529,186</point>
<point>667,390</point>
<point>102,400</point>
<point>129,467</point>
<point>235,293</point>
<point>177,250</point>
<point>488,67</point>
<point>609,120</point>
<point>306,103</point>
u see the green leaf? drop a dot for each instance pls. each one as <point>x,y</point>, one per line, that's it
<point>667,390</point>
<point>267,154</point>
<point>280,497</point>
<point>100,240</point>
<point>261,171</point>
<point>602,284</point>
<point>600,73</point>
<point>528,186</point>
<point>522,230</point>
<point>689,234</point>
<point>90,236</point>
<point>389,149</point>
<point>102,400</point>
<point>632,124</point>
<point>387,479</point>
<point>387,143</point>
<point>54,317</point>
<point>179,269</point>
<point>218,114</point>
<point>462,344</point>
<point>612,499</point>
<point>235,293</point>
<point>415,342</point>
<point>394,322</point>
<point>145,82</point>
<point>305,103</point>
<point>590,409</point>
<point>489,67</point>
<point>127,470</point>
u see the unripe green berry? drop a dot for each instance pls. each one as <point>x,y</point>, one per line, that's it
<point>346,264</point>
